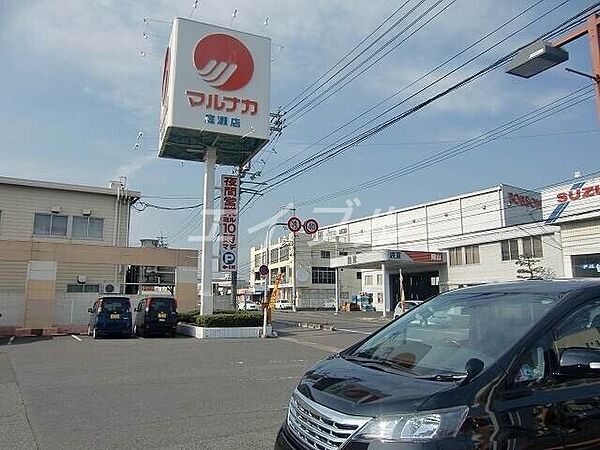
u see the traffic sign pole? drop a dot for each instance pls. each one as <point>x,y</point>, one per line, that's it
<point>267,255</point>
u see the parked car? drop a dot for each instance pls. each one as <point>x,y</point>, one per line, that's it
<point>329,304</point>
<point>156,315</point>
<point>518,367</point>
<point>408,304</point>
<point>367,307</point>
<point>248,306</point>
<point>110,315</point>
<point>283,304</point>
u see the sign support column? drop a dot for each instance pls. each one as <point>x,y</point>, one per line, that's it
<point>206,250</point>
<point>386,289</point>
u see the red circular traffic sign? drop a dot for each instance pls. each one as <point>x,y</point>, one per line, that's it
<point>264,270</point>
<point>311,226</point>
<point>294,224</point>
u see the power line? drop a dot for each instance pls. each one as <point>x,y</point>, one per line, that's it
<point>374,130</point>
<point>313,103</point>
<point>347,54</point>
<point>520,122</point>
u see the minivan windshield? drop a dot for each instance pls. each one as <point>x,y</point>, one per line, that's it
<point>440,336</point>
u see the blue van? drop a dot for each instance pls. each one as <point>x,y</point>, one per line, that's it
<point>110,316</point>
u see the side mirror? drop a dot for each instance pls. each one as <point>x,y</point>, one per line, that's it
<point>90,310</point>
<point>580,362</point>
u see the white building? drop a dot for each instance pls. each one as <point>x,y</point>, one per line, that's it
<point>464,240</point>
<point>315,278</point>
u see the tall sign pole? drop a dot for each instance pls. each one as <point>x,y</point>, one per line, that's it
<point>206,246</point>
<point>215,109</point>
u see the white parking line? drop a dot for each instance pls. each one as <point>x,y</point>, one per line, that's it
<point>77,338</point>
<point>354,331</point>
<point>10,341</point>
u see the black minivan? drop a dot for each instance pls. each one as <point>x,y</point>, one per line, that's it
<point>156,315</point>
<point>510,366</point>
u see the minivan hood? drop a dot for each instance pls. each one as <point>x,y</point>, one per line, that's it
<point>353,389</point>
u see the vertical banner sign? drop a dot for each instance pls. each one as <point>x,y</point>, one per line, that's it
<point>230,198</point>
<point>275,292</point>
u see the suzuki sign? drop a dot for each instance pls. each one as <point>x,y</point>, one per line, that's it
<point>577,200</point>
<point>215,93</point>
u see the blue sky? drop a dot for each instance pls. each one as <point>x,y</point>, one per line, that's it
<point>75,93</point>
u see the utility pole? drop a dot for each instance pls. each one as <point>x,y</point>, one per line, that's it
<point>294,306</point>
<point>234,290</point>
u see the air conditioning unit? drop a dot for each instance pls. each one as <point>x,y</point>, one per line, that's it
<point>110,288</point>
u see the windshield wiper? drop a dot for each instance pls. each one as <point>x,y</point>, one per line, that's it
<point>444,377</point>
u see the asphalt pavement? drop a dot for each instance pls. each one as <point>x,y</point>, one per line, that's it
<point>159,393</point>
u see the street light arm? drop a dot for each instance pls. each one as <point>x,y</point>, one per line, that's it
<point>572,35</point>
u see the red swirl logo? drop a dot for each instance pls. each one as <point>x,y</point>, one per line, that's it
<point>224,62</point>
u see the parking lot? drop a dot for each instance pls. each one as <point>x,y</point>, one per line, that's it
<point>73,392</point>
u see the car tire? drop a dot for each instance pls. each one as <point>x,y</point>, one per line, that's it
<point>95,334</point>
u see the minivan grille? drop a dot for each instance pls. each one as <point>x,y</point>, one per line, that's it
<point>318,427</point>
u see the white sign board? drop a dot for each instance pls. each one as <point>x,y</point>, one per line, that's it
<point>577,200</point>
<point>228,248</point>
<point>215,80</point>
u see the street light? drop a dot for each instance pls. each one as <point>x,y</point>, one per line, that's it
<point>536,58</point>
<point>543,55</point>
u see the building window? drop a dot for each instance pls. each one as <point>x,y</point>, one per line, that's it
<point>325,254</point>
<point>50,225</point>
<point>532,247</point>
<point>83,288</point>
<point>343,253</point>
<point>368,280</point>
<point>87,227</point>
<point>257,276</point>
<point>359,275</point>
<point>379,279</point>
<point>257,259</point>
<point>455,256</point>
<point>274,255</point>
<point>284,253</point>
<point>323,275</point>
<point>510,250</point>
<point>472,254</point>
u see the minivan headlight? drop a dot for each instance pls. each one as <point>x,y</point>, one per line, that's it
<point>415,427</point>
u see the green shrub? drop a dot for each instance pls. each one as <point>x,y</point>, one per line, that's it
<point>224,311</point>
<point>228,320</point>
<point>188,317</point>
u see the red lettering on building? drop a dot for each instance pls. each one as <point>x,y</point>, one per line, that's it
<point>523,200</point>
<point>578,194</point>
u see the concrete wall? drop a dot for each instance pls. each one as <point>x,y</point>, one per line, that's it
<point>34,278</point>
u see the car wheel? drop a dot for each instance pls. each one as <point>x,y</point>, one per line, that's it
<point>95,334</point>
